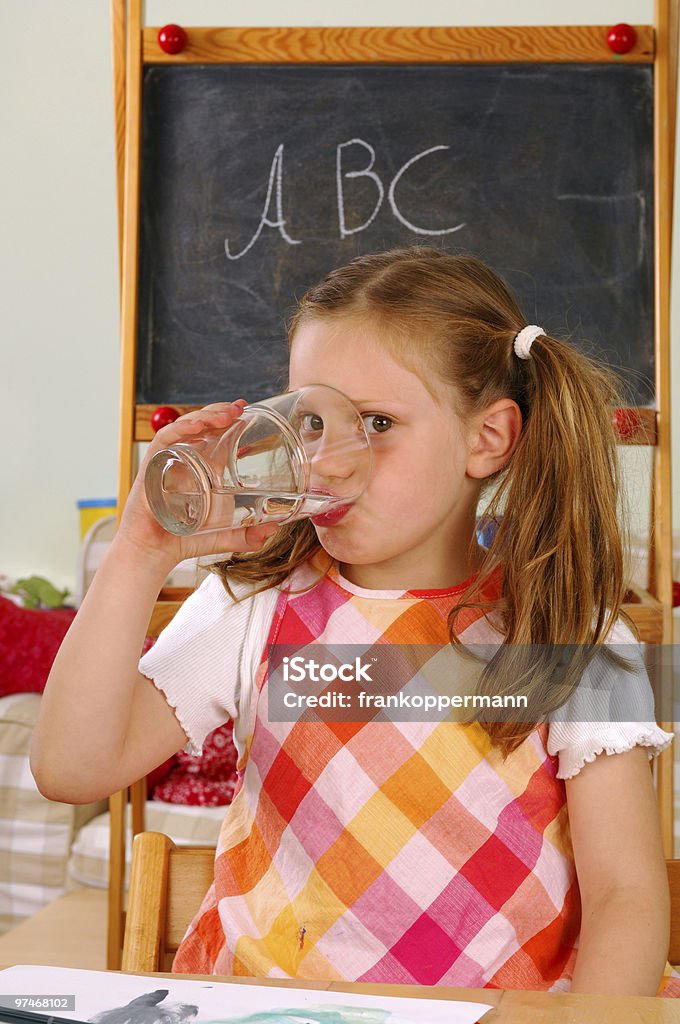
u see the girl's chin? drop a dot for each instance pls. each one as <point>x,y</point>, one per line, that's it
<point>346,548</point>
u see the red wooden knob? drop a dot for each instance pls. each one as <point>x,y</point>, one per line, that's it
<point>163,415</point>
<point>626,422</point>
<point>172,38</point>
<point>621,38</point>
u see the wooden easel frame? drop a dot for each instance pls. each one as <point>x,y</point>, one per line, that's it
<point>135,45</point>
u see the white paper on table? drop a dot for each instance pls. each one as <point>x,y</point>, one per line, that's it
<point>104,994</point>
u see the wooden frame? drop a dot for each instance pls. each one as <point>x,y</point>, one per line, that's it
<point>388,45</point>
<point>117,800</point>
<point>126,16</point>
<point>652,608</point>
<point>660,582</point>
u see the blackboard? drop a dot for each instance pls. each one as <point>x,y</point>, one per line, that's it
<point>544,171</point>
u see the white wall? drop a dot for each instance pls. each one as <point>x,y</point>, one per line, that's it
<point>58,255</point>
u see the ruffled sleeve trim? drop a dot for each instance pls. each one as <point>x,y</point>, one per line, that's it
<point>197,660</point>
<point>616,738</point>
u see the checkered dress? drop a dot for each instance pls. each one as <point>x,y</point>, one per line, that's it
<point>395,852</point>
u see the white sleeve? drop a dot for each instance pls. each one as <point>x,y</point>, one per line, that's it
<point>199,658</point>
<point>624,698</point>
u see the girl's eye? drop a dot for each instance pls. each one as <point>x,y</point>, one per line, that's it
<point>311,423</point>
<point>377,424</point>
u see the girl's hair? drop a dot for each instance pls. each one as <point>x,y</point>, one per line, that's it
<point>559,539</point>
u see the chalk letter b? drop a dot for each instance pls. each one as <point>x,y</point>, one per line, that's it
<point>367,172</point>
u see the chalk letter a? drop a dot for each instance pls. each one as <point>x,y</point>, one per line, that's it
<point>275,178</point>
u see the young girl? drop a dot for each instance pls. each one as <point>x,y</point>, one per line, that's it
<point>509,855</point>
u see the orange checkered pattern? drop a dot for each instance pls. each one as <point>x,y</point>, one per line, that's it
<point>397,852</point>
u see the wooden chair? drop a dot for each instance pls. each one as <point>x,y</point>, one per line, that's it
<point>167,884</point>
<point>673,867</point>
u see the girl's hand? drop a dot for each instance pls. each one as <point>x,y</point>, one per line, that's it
<point>138,527</point>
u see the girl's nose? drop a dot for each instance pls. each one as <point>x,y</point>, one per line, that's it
<point>333,462</point>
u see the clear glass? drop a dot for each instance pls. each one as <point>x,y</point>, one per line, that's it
<point>302,454</point>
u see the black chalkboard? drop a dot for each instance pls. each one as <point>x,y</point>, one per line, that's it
<point>544,171</point>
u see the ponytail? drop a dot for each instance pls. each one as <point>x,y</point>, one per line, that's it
<point>559,536</point>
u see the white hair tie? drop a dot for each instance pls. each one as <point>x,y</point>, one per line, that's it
<point>525,339</point>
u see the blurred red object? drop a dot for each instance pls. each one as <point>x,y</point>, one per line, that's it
<point>172,38</point>
<point>626,422</point>
<point>29,641</point>
<point>163,415</point>
<point>621,38</point>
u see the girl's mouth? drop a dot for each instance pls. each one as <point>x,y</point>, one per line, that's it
<point>331,517</point>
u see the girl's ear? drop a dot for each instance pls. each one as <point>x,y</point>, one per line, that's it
<point>493,440</point>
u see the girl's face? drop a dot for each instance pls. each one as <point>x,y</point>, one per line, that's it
<point>411,527</point>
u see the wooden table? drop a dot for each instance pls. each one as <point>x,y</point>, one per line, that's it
<point>508,1007</point>
<point>70,932</point>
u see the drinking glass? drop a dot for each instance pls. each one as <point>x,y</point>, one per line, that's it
<point>303,454</point>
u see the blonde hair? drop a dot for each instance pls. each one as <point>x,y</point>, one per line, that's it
<point>559,537</point>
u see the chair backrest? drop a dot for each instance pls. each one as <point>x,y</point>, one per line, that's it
<point>167,885</point>
<point>673,867</point>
